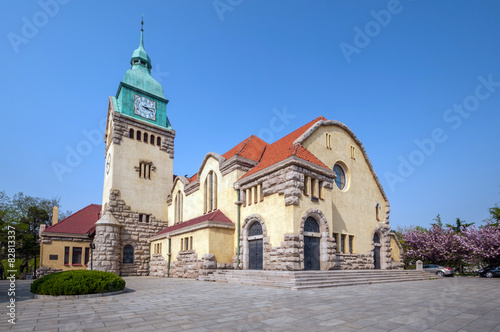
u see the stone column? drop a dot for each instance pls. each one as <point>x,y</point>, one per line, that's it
<point>107,244</point>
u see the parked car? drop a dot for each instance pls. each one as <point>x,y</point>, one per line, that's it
<point>441,271</point>
<point>490,271</point>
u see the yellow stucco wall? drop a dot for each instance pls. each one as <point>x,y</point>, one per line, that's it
<point>217,241</point>
<point>122,175</point>
<point>277,217</point>
<point>395,250</point>
<point>57,248</point>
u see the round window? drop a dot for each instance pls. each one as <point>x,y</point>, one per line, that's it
<point>341,179</point>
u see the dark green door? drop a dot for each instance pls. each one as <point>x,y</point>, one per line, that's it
<point>256,254</point>
<point>311,253</point>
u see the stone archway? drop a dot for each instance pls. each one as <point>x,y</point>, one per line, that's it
<point>326,243</point>
<point>254,240</point>
<point>381,247</point>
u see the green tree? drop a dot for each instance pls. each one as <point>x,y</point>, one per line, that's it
<point>460,225</point>
<point>26,214</point>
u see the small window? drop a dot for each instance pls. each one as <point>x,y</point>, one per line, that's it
<point>145,140</point>
<point>158,141</point>
<point>77,256</point>
<point>351,244</point>
<point>342,243</point>
<point>147,218</point>
<point>128,254</point>
<point>306,186</point>
<point>182,244</point>
<point>66,255</point>
<point>328,141</point>
<point>353,153</point>
<point>340,180</point>
<point>138,135</point>
<point>145,170</point>
<point>191,242</point>
<point>376,238</point>
<point>377,211</point>
<point>321,189</point>
<point>313,188</point>
<point>131,133</point>
<point>53,257</point>
<point>152,139</point>
<point>87,251</point>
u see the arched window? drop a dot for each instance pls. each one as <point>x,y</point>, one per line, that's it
<point>152,139</point>
<point>255,229</point>
<point>158,141</point>
<point>178,208</point>
<point>210,196</point>
<point>131,133</point>
<point>138,135</point>
<point>128,254</point>
<point>311,225</point>
<point>340,180</point>
<point>145,140</point>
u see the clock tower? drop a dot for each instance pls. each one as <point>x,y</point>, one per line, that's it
<point>138,173</point>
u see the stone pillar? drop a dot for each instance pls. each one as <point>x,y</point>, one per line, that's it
<point>106,255</point>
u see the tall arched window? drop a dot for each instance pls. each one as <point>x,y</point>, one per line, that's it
<point>178,208</point>
<point>210,196</point>
<point>145,137</point>
<point>152,139</point>
<point>128,254</point>
<point>158,141</point>
<point>131,133</point>
<point>138,135</point>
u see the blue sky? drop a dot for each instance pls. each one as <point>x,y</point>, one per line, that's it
<point>417,81</point>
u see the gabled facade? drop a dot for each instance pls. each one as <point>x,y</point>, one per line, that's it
<point>309,201</point>
<point>65,245</point>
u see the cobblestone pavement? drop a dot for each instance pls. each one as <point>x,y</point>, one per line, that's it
<point>447,304</point>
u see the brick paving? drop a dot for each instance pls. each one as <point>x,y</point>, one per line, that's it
<point>448,304</point>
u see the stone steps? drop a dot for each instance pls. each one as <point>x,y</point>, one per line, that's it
<point>296,280</point>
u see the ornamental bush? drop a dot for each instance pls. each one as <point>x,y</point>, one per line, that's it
<point>77,283</point>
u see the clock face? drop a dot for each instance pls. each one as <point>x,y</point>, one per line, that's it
<point>145,107</point>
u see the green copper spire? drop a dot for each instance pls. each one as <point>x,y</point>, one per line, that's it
<point>140,57</point>
<point>138,83</point>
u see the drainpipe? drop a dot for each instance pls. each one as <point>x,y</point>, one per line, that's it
<point>238,203</point>
<point>169,251</point>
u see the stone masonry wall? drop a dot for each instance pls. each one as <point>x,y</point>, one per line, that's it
<point>288,181</point>
<point>133,232</point>
<point>158,266</point>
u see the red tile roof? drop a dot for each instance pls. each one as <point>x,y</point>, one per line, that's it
<point>193,178</point>
<point>81,222</point>
<point>251,148</point>
<point>284,148</point>
<point>217,215</point>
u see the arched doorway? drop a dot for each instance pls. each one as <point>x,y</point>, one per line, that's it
<point>376,251</point>
<point>312,239</point>
<point>255,247</point>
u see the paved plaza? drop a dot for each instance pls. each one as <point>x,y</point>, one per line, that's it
<point>447,304</point>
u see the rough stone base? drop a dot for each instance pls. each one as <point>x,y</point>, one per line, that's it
<point>158,266</point>
<point>43,271</point>
<point>354,261</point>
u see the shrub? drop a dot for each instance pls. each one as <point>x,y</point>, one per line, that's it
<point>77,283</point>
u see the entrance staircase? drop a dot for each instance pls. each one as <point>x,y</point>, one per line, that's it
<point>297,280</point>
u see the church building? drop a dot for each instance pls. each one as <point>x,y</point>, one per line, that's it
<point>309,201</point>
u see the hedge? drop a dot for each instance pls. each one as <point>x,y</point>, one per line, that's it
<point>77,283</point>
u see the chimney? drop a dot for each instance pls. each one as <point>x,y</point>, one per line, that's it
<point>55,215</point>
